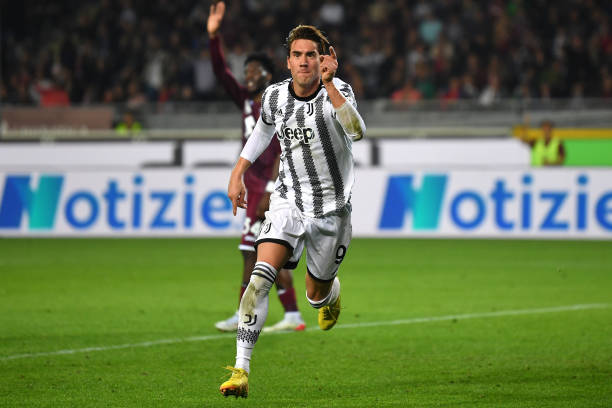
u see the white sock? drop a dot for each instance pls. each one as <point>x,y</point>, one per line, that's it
<point>293,315</point>
<point>334,292</point>
<point>253,312</point>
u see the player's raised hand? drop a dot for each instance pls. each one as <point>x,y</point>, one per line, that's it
<point>217,10</point>
<point>328,65</point>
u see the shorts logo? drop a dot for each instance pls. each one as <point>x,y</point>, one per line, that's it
<point>266,226</point>
<point>301,134</point>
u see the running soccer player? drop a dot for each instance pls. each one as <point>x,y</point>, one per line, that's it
<point>258,73</point>
<point>315,118</point>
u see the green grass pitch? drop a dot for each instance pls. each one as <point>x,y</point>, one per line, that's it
<point>135,320</point>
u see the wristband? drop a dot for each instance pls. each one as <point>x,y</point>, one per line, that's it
<point>270,186</point>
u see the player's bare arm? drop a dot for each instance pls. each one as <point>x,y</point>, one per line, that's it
<point>217,10</point>
<point>236,190</point>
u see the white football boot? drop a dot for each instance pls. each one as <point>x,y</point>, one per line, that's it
<point>291,322</point>
<point>228,325</point>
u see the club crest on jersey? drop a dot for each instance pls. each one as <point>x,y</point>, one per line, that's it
<point>302,134</point>
<point>309,109</point>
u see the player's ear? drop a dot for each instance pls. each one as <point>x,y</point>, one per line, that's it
<point>288,65</point>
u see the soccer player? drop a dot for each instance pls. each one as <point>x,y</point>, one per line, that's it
<point>315,118</point>
<point>258,73</point>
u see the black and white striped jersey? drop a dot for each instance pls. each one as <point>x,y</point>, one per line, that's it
<point>316,170</point>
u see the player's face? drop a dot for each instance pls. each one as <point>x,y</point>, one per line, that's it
<point>303,62</point>
<point>256,77</point>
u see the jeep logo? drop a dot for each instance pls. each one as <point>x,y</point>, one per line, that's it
<point>302,134</point>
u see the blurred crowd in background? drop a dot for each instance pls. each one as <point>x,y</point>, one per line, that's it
<point>139,51</point>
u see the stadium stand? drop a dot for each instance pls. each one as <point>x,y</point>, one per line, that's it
<point>449,70</point>
<point>133,51</point>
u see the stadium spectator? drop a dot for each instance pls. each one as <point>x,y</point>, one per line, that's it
<point>129,125</point>
<point>453,92</point>
<point>258,69</point>
<point>492,92</point>
<point>415,56</point>
<point>547,149</point>
<point>332,13</point>
<point>606,91</point>
<point>430,29</point>
<point>353,76</point>
<point>407,94</point>
<point>135,98</point>
<point>424,81</point>
<point>204,76</point>
<point>316,116</point>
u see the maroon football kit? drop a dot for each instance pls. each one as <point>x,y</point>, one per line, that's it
<point>259,173</point>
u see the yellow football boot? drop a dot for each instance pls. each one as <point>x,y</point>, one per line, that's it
<point>328,315</point>
<point>237,385</point>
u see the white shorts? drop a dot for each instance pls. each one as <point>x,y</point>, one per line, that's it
<point>326,239</point>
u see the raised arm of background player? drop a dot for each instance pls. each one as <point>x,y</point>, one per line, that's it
<point>236,91</point>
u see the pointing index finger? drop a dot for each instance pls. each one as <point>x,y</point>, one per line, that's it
<point>332,52</point>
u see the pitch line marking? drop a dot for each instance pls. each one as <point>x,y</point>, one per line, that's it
<point>466,316</point>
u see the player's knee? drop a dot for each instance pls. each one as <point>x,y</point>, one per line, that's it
<point>263,276</point>
<point>255,292</point>
<point>259,284</point>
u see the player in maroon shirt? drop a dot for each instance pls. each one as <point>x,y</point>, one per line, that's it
<point>258,69</point>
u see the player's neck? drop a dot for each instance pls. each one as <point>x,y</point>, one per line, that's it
<point>304,93</point>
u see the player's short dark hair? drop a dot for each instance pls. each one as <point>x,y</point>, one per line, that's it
<point>308,32</point>
<point>265,61</point>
